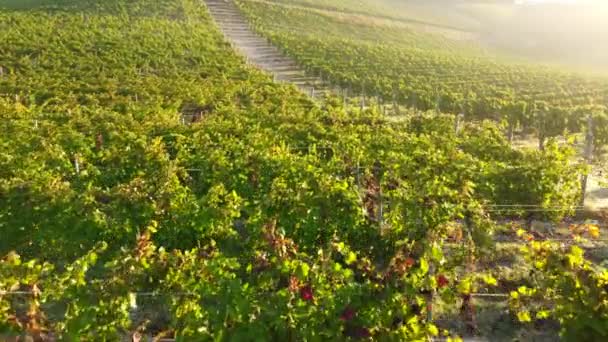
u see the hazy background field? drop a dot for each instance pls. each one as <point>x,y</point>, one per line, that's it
<point>571,33</point>
<point>567,32</point>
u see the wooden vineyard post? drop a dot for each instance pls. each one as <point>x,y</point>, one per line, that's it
<point>380,206</point>
<point>457,121</point>
<point>510,131</point>
<point>437,101</point>
<point>541,129</point>
<point>431,295</point>
<point>395,104</point>
<point>312,91</point>
<point>363,101</point>
<point>463,111</point>
<point>378,175</point>
<point>76,164</point>
<point>588,157</point>
<point>358,176</point>
<point>414,101</point>
<point>467,309</point>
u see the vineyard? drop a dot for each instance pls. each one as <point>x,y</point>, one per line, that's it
<point>152,183</point>
<point>397,11</point>
<point>406,68</point>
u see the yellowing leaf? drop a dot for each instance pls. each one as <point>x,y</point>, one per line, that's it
<point>350,258</point>
<point>347,273</point>
<point>524,316</point>
<point>594,231</point>
<point>543,314</point>
<point>576,256</point>
<point>464,286</point>
<point>303,270</point>
<point>489,280</point>
<point>454,339</point>
<point>424,265</point>
<point>132,300</point>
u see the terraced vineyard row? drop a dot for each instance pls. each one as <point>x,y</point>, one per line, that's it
<point>431,72</point>
<point>152,183</point>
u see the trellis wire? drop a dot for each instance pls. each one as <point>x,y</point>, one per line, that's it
<point>138,294</point>
<point>177,294</point>
<point>514,208</point>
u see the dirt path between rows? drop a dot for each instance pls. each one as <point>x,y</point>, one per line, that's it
<point>259,52</point>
